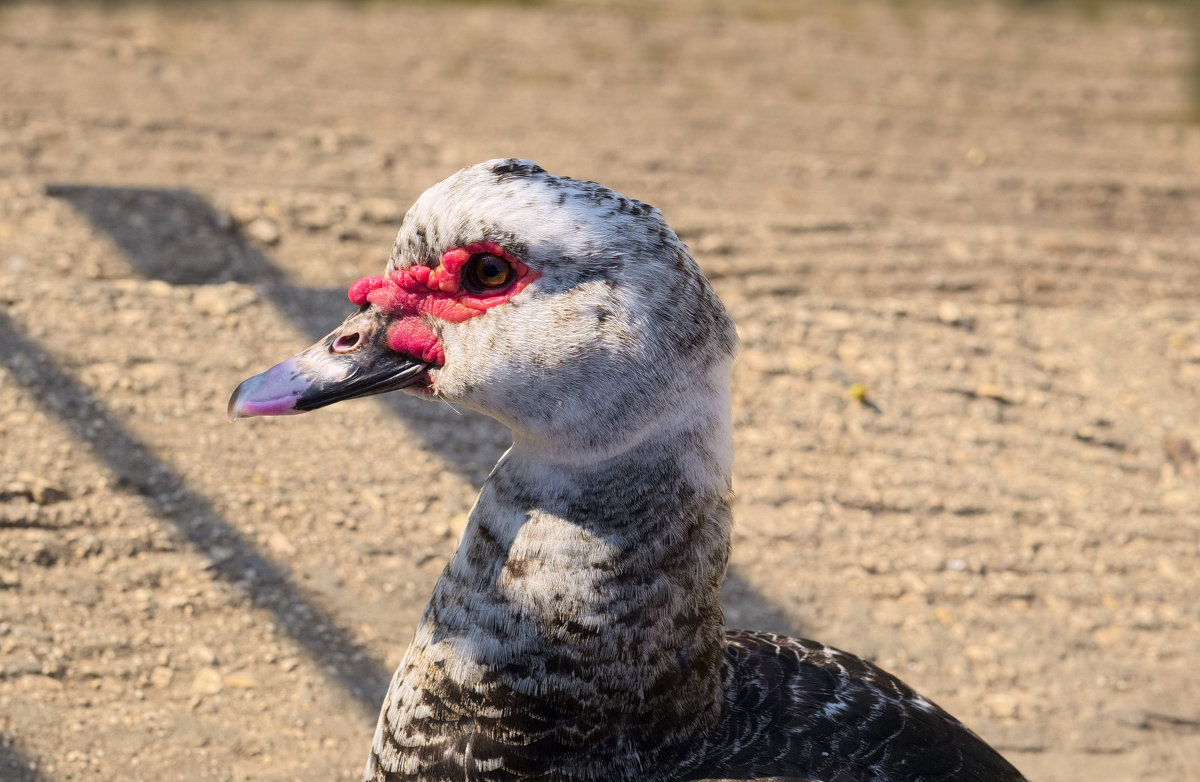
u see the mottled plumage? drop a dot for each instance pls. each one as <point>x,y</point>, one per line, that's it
<point>577,632</point>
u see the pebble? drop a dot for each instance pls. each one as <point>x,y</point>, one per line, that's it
<point>264,230</point>
<point>161,676</point>
<point>952,315</point>
<point>207,681</point>
<point>40,491</point>
<point>240,680</point>
<point>244,212</point>
<point>35,681</point>
<point>203,654</point>
<point>279,544</point>
<point>1003,705</point>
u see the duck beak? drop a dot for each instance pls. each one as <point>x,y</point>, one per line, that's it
<point>353,361</point>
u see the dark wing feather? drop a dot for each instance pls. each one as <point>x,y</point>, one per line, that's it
<point>803,710</point>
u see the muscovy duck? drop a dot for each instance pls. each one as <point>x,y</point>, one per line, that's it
<point>577,633</point>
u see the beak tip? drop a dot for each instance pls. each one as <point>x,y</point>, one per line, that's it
<point>261,395</point>
<point>234,410</point>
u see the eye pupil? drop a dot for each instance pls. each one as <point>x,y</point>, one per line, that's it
<point>486,271</point>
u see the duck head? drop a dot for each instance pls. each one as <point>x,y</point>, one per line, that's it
<point>559,307</point>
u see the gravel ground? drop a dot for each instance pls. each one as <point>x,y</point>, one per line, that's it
<point>958,241</point>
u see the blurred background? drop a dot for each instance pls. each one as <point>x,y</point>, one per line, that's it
<point>958,239</point>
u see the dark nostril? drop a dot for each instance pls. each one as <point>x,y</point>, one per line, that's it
<point>346,342</point>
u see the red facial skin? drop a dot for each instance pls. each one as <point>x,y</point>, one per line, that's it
<point>415,295</point>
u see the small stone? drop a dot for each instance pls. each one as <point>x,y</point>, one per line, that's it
<point>212,300</point>
<point>244,212</point>
<point>44,493</point>
<point>177,600</point>
<point>161,676</point>
<point>33,682</point>
<point>38,490</point>
<point>240,680</point>
<point>1003,705</point>
<point>203,654</point>
<point>988,391</point>
<point>207,682</point>
<point>950,313</point>
<point>279,544</point>
<point>264,230</point>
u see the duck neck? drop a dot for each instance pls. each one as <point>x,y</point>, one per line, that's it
<point>613,565</point>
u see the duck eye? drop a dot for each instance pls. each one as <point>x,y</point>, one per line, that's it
<point>485,272</point>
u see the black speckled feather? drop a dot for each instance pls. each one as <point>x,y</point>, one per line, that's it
<point>800,709</point>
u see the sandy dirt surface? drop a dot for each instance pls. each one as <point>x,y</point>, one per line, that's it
<point>984,216</point>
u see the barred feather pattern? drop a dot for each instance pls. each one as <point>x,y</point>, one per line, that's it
<point>568,639</point>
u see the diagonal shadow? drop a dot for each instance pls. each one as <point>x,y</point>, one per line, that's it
<point>234,558</point>
<point>13,765</point>
<point>169,234</point>
<point>175,236</point>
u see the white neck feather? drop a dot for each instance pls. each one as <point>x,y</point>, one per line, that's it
<point>698,413</point>
<point>554,528</point>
